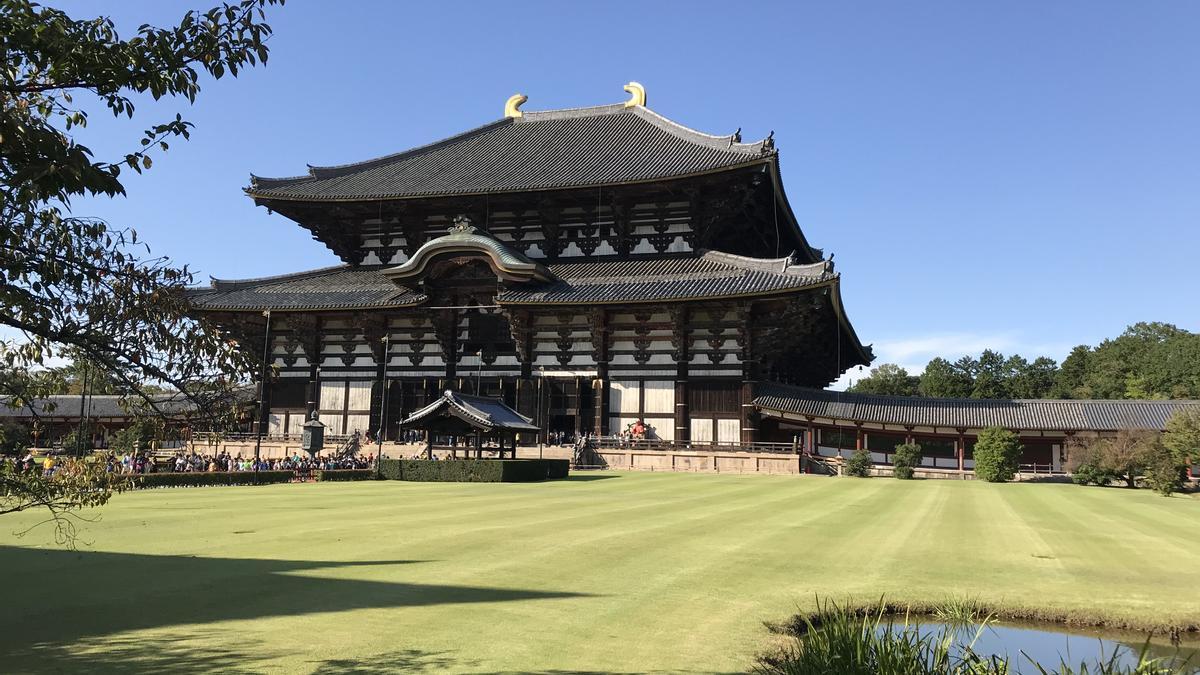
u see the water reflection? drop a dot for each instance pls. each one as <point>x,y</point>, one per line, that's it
<point>1051,644</point>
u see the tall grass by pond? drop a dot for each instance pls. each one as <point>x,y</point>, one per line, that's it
<point>875,640</point>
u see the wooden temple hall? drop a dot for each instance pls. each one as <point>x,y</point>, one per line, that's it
<point>605,264</point>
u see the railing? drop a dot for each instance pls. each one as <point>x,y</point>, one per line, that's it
<point>213,437</point>
<point>1039,469</point>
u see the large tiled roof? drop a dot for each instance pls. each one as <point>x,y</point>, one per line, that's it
<point>602,145</point>
<point>1029,415</point>
<point>340,287</point>
<point>711,275</point>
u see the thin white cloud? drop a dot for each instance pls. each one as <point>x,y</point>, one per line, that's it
<point>913,352</point>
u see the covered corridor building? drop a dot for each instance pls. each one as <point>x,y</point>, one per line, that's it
<point>833,423</point>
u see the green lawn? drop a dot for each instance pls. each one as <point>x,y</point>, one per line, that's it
<point>604,572</point>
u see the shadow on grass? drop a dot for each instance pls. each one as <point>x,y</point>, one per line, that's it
<point>584,477</point>
<point>193,652</point>
<point>57,600</point>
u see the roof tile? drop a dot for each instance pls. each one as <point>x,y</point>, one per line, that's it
<point>1028,414</point>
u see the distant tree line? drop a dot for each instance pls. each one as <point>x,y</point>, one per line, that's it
<point>1147,361</point>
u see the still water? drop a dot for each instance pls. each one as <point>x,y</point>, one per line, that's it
<point>1052,644</point>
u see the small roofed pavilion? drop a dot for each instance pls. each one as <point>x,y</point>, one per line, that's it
<point>458,414</point>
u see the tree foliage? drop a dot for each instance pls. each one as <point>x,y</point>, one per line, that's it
<point>1182,436</point>
<point>997,455</point>
<point>888,379</point>
<point>70,283</point>
<point>1148,360</point>
<point>77,484</point>
<point>946,380</point>
<point>77,286</point>
<point>859,464</point>
<point>906,458</point>
<point>14,437</point>
<point>1125,457</point>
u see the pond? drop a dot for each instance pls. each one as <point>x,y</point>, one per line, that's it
<point>1051,644</point>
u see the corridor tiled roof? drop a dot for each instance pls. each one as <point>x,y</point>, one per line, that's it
<point>711,275</point>
<point>95,406</point>
<point>340,287</point>
<point>1028,415</point>
<point>603,145</point>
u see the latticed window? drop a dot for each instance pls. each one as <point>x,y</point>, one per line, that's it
<point>837,438</point>
<point>878,442</point>
<point>937,447</point>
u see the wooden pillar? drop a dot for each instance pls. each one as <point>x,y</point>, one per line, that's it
<point>962,448</point>
<point>811,445</point>
<point>683,420</point>
<point>598,327</point>
<point>681,341</point>
<point>749,354</point>
<point>478,444</point>
<point>428,445</point>
<point>858,436</point>
<point>579,423</point>
<point>600,392</point>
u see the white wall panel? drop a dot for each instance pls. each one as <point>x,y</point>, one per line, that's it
<point>660,396</point>
<point>729,431</point>
<point>702,430</point>
<point>360,396</point>
<point>333,395</point>
<point>617,425</point>
<point>623,396</point>
<point>359,423</point>
<point>661,429</point>
<point>332,422</point>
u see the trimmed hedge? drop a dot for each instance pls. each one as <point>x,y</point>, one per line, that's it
<point>859,464</point>
<point>997,455</point>
<point>198,478</point>
<point>475,470</point>
<point>905,460</point>
<point>324,475</point>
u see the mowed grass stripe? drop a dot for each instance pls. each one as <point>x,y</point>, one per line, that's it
<point>1109,565</point>
<point>670,572</point>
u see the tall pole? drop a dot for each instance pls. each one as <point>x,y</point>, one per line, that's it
<point>383,407</point>
<point>262,388</point>
<point>479,374</point>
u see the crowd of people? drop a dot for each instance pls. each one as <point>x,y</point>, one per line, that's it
<point>223,461</point>
<point>142,463</point>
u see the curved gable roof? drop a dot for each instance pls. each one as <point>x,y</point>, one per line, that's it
<point>481,412</point>
<point>507,263</point>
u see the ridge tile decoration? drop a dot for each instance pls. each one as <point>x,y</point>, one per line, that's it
<point>606,261</point>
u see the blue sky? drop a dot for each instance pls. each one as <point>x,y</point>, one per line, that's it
<point>1019,175</point>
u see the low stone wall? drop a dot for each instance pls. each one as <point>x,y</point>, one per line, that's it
<point>926,473</point>
<point>245,448</point>
<point>698,461</point>
<point>695,461</point>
